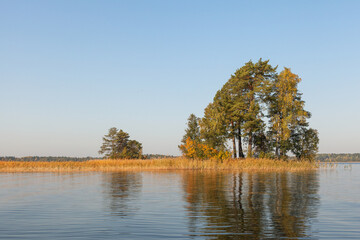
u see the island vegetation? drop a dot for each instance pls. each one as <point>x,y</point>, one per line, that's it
<point>258,112</point>
<point>259,109</point>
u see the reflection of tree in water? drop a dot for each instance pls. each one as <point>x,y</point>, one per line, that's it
<point>251,205</point>
<point>295,204</point>
<point>121,189</point>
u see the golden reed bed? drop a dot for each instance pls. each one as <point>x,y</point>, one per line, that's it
<point>158,164</point>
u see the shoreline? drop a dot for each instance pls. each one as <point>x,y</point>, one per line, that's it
<point>109,165</point>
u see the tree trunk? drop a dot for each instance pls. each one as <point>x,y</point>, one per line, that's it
<point>241,153</point>
<point>249,152</point>
<point>234,146</point>
<point>234,141</point>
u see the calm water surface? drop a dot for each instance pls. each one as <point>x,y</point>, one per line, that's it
<point>323,204</point>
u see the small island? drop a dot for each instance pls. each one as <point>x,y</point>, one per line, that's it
<point>257,109</point>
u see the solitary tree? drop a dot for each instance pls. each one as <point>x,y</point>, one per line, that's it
<point>116,145</point>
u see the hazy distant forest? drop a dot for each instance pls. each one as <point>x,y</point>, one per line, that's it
<point>338,157</point>
<point>76,159</point>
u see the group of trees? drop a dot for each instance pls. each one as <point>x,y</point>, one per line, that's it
<point>117,145</point>
<point>259,109</point>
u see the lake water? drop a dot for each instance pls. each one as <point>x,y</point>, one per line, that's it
<point>323,204</point>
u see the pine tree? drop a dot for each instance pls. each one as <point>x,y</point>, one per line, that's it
<point>116,145</point>
<point>193,129</point>
<point>231,105</point>
<point>253,84</point>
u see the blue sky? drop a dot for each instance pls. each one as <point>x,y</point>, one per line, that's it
<point>70,70</point>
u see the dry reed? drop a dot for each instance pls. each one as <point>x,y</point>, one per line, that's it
<point>158,164</point>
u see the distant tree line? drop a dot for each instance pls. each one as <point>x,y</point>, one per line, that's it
<point>260,112</point>
<point>154,156</point>
<point>338,157</point>
<point>46,159</point>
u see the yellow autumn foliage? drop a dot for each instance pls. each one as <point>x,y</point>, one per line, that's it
<point>196,150</point>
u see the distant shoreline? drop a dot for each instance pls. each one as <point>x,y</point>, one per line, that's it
<point>338,157</point>
<point>70,159</point>
<point>340,162</point>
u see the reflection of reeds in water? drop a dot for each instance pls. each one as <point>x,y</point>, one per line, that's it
<point>158,164</point>
<point>334,165</point>
<point>328,165</point>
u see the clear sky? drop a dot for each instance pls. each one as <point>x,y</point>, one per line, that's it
<point>70,70</point>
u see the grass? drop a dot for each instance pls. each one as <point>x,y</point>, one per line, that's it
<point>158,164</point>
